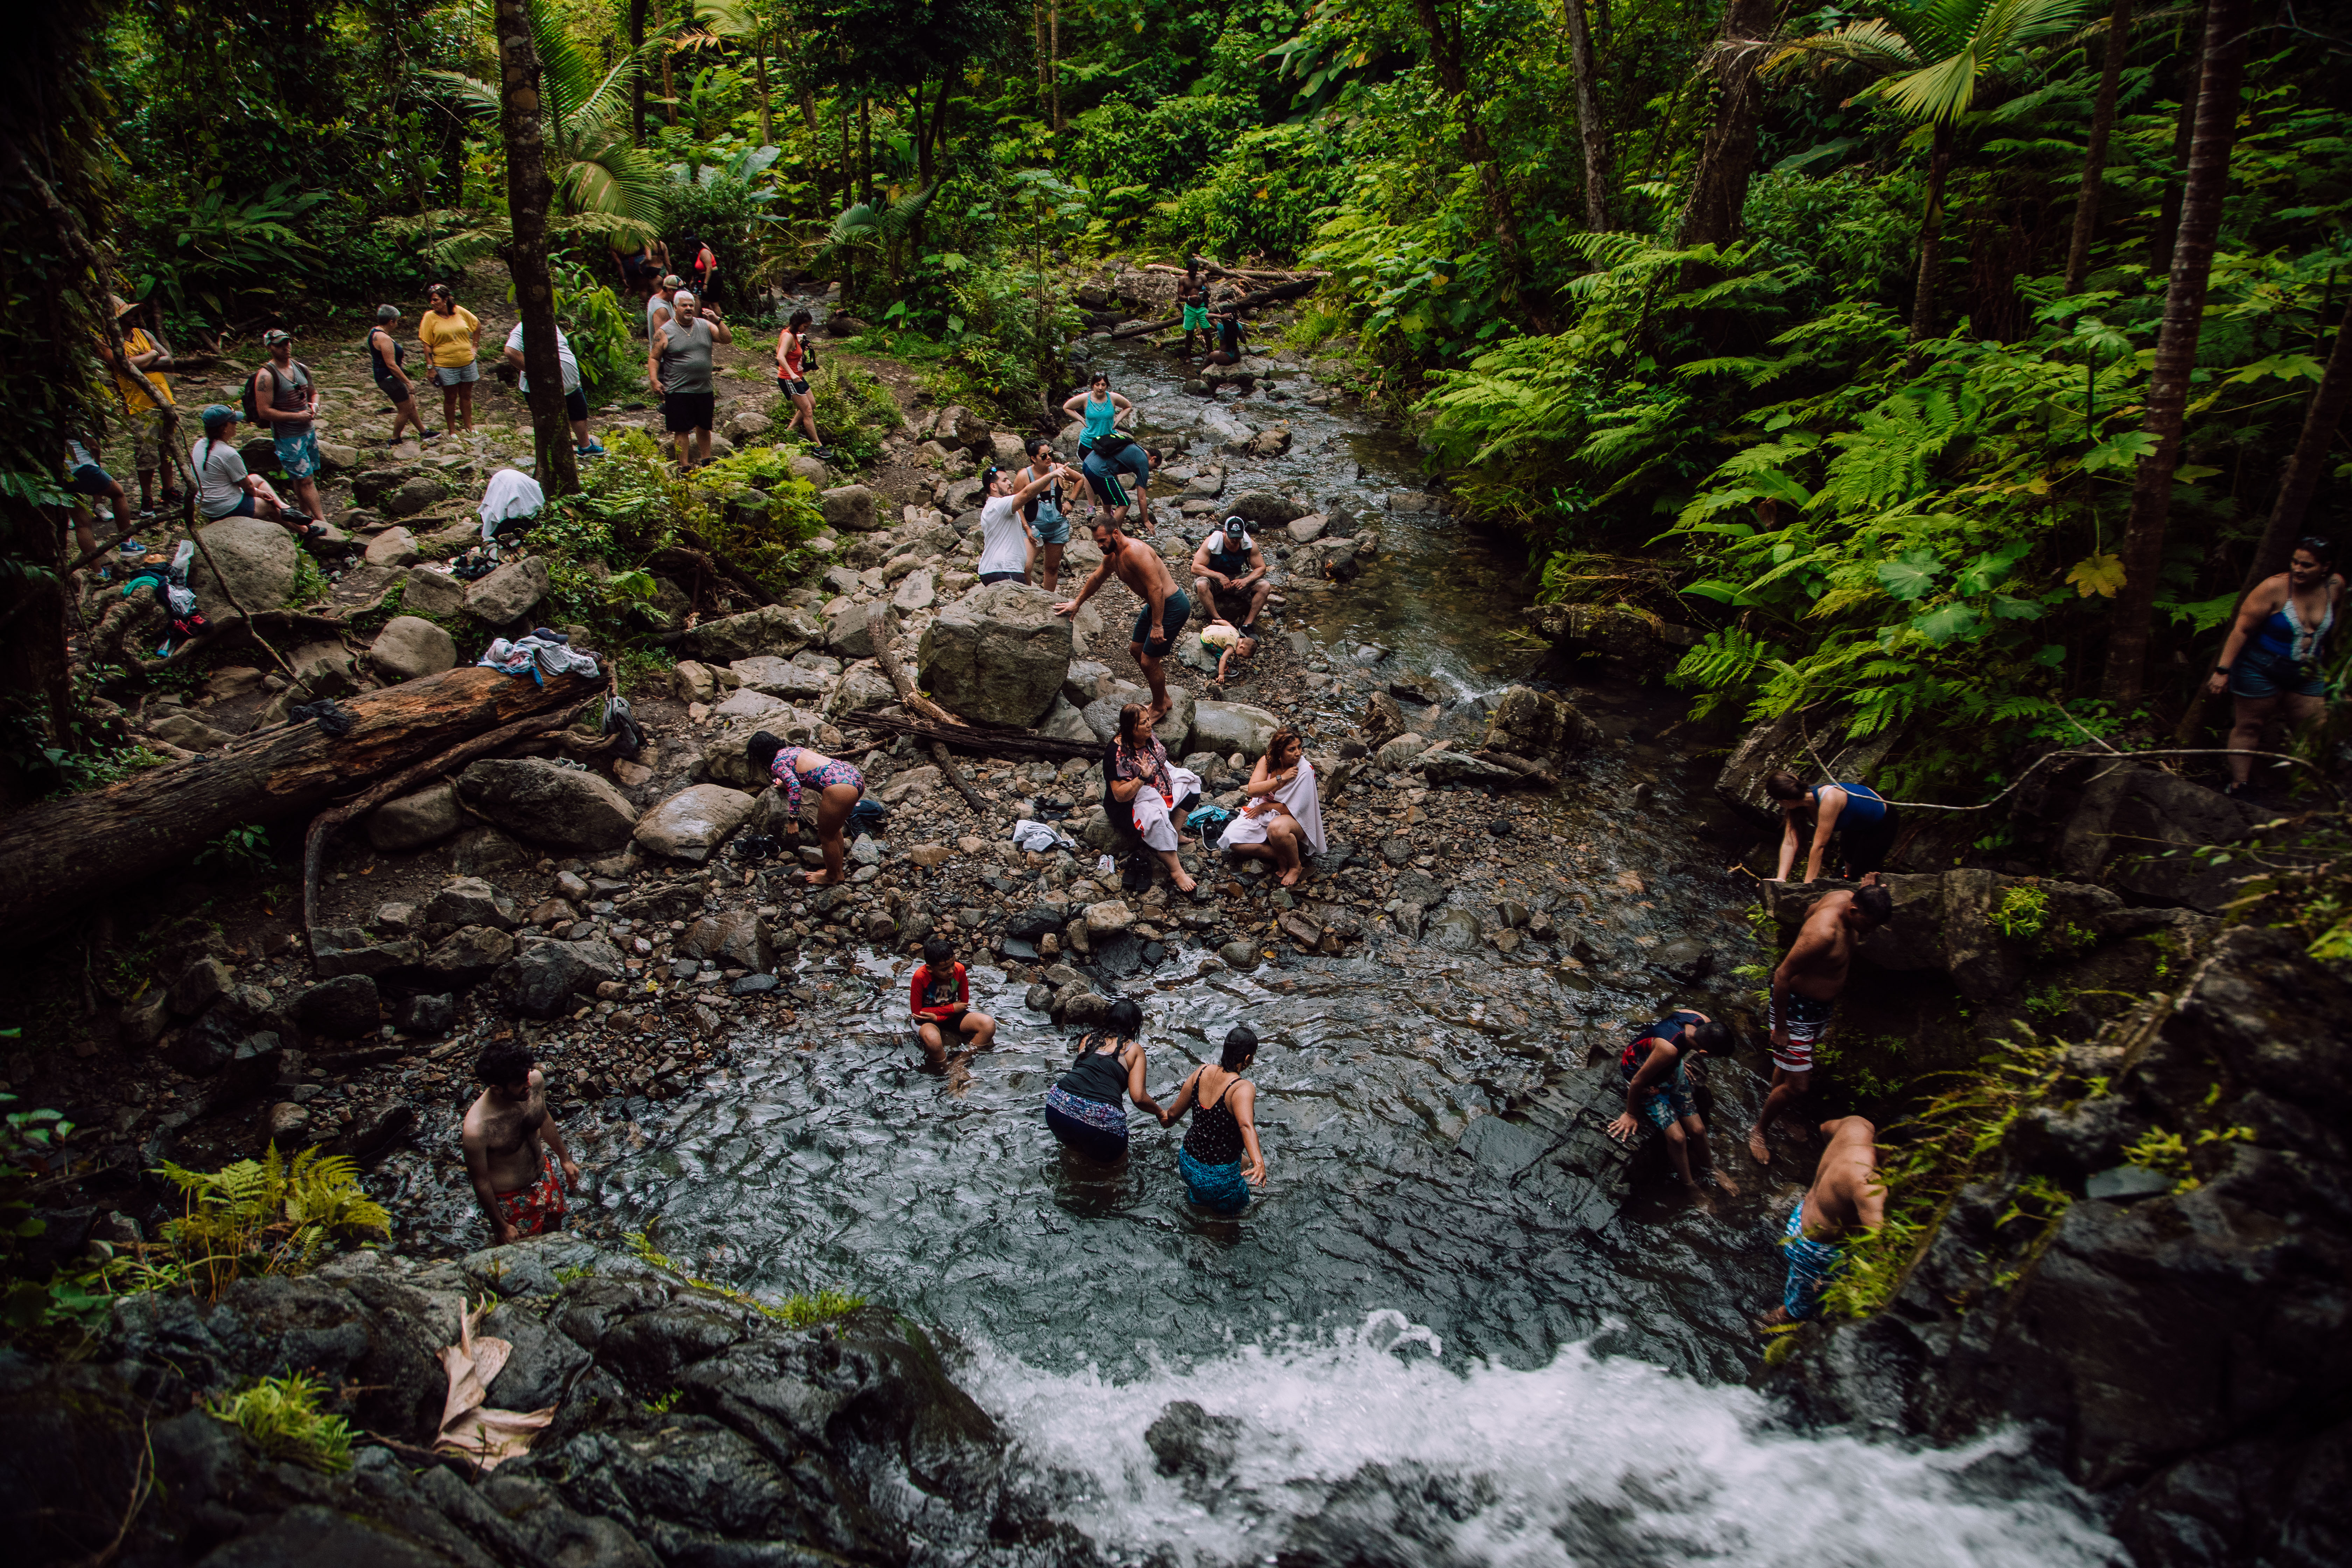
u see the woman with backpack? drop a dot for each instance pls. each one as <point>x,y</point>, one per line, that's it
<point>1138,779</point>
<point>1219,1158</point>
<point>794,359</point>
<point>1084,1108</point>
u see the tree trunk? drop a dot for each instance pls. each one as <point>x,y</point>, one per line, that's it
<point>1589,126</point>
<point>636,73</point>
<point>865,145</point>
<point>1054,63</point>
<point>1445,56</point>
<point>2095,157</point>
<point>2167,216</point>
<point>1931,234</point>
<point>2175,348</point>
<point>1038,51</point>
<point>2297,482</point>
<point>767,114</point>
<point>669,94</point>
<point>63,853</point>
<point>528,196</point>
<point>1719,188</point>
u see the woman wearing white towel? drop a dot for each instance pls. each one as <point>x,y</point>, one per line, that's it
<point>1138,774</point>
<point>1285,816</point>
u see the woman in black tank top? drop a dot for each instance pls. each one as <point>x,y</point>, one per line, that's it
<point>1083,1110</point>
<point>1221,1158</point>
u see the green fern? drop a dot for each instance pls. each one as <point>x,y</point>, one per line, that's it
<point>268,1215</point>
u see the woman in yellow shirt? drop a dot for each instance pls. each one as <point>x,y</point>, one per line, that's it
<point>452,338</point>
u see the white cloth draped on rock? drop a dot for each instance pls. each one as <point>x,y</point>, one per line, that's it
<point>1151,818</point>
<point>1300,798</point>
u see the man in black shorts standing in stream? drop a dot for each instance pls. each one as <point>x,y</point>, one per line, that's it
<point>1161,621</point>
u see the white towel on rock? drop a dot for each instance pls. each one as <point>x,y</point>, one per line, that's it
<point>1039,838</point>
<point>1301,799</point>
<point>511,493</point>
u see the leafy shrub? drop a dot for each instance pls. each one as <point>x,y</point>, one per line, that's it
<point>240,852</point>
<point>1120,152</point>
<point>281,1414</point>
<point>854,410</point>
<point>268,1216</point>
<point>801,1311</point>
<point>600,332</point>
<point>2021,914</point>
<point>1266,197</point>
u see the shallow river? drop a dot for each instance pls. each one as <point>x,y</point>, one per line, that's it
<point>1531,1390</point>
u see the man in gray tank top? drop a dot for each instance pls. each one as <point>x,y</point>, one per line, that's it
<point>678,370</point>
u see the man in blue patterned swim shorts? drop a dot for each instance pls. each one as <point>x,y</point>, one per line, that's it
<point>1846,1197</point>
<point>1655,1066</point>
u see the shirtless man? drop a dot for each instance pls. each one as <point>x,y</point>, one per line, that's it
<point>1846,1197</point>
<point>1805,991</point>
<point>513,1175</point>
<point>1165,608</point>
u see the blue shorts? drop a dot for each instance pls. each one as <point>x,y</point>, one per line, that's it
<point>90,479</point>
<point>1220,1188</point>
<point>1811,1265</point>
<point>299,455</point>
<point>1174,611</point>
<point>1667,1102</point>
<point>243,508</point>
<point>1052,528</point>
<point>2261,673</point>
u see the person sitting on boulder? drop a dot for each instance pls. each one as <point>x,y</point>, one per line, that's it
<point>223,487</point>
<point>1655,1066</point>
<point>512,1145</point>
<point>941,998</point>
<point>1866,822</point>
<point>1229,562</point>
<point>1283,819</point>
<point>1230,333</point>
<point>1138,774</point>
<point>838,788</point>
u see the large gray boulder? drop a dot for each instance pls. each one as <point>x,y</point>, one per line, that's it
<point>777,630</point>
<point>2138,828</point>
<point>863,687</point>
<point>431,593</point>
<point>997,655</point>
<point>257,565</point>
<point>1228,727</point>
<point>509,593</point>
<point>1263,509</point>
<point>1539,727</point>
<point>692,822</point>
<point>533,798</point>
<point>410,648</point>
<point>773,677</point>
<point>849,508</point>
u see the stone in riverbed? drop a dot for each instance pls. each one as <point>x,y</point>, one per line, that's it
<point>468,954</point>
<point>509,593</point>
<point>570,808</point>
<point>1239,955</point>
<point>998,655</point>
<point>411,647</point>
<point>343,1008</point>
<point>469,902</point>
<point>1226,726</point>
<point>694,822</point>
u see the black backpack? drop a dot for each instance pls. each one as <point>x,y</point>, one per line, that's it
<point>253,415</point>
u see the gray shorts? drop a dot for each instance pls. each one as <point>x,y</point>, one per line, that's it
<point>458,374</point>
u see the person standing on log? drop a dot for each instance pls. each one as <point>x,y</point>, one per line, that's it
<point>512,1146</point>
<point>452,346</point>
<point>285,396</point>
<point>838,787</point>
<point>2272,658</point>
<point>1158,624</point>
<point>1805,989</point>
<point>1846,1197</point>
<point>679,369</point>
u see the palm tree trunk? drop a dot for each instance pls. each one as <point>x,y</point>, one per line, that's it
<point>2176,346</point>
<point>669,92</point>
<point>1931,234</point>
<point>637,74</point>
<point>2297,483</point>
<point>2168,216</point>
<point>1719,188</point>
<point>1445,56</point>
<point>528,196</point>
<point>1053,62</point>
<point>2095,157</point>
<point>1590,127</point>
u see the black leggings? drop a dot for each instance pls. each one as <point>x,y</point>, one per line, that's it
<point>1866,849</point>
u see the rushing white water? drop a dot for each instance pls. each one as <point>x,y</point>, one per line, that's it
<point>1589,1460</point>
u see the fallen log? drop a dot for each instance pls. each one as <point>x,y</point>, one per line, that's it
<point>61,854</point>
<point>1214,270</point>
<point>1247,302</point>
<point>883,626</point>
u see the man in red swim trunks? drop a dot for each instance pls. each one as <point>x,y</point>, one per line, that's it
<point>1805,989</point>
<point>512,1146</point>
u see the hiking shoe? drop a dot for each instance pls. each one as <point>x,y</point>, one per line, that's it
<point>594,448</point>
<point>428,435</point>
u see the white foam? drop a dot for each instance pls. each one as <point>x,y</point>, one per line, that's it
<point>1592,1460</point>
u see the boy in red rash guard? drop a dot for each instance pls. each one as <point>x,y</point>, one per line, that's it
<point>941,998</point>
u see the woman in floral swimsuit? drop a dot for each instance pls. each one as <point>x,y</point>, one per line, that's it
<point>838,787</point>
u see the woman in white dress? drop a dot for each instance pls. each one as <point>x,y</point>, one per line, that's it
<point>1283,819</point>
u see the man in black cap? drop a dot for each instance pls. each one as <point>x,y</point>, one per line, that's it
<point>1230,564</point>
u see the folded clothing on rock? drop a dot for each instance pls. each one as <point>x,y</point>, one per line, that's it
<point>539,656</point>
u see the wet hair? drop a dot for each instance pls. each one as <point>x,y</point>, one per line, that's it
<point>1782,785</point>
<point>1124,1018</point>
<point>1876,904</point>
<point>760,750</point>
<point>1100,378</point>
<point>1284,737</point>
<point>1241,1044</point>
<point>386,314</point>
<point>503,1062</point>
<point>1714,1037</point>
<point>939,953</point>
<point>2323,549</point>
<point>801,318</point>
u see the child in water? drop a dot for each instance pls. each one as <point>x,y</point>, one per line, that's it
<point>941,998</point>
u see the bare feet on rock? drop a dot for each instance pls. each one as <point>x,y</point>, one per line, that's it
<point>1758,1150</point>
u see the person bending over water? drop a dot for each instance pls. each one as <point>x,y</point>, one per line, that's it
<point>1283,820</point>
<point>512,1146</point>
<point>1138,774</point>
<point>1220,1157</point>
<point>1867,823</point>
<point>1655,1067</point>
<point>1846,1196</point>
<point>940,994</point>
<point>1805,989</point>
<point>1085,1109</point>
<point>838,785</point>
<point>2271,659</point>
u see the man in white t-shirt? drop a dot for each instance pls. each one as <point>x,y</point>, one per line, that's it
<point>1005,542</point>
<point>575,402</point>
